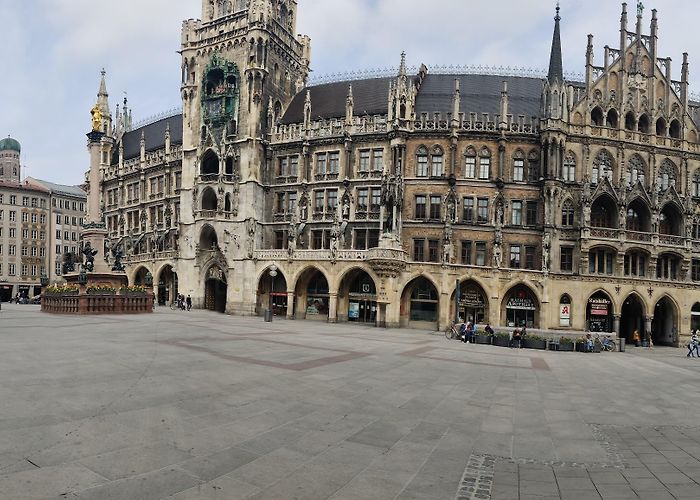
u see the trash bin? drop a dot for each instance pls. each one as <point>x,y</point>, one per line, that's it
<point>622,344</point>
<point>268,316</point>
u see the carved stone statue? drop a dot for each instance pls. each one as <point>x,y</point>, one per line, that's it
<point>346,209</point>
<point>546,247</point>
<point>252,226</point>
<point>497,256</point>
<point>89,254</point>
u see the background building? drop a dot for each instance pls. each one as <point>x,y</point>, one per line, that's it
<point>29,236</point>
<point>571,205</point>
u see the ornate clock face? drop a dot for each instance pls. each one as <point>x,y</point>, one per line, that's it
<point>214,107</point>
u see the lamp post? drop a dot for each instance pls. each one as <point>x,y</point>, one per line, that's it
<point>273,274</point>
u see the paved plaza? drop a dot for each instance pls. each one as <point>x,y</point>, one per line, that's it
<point>196,405</point>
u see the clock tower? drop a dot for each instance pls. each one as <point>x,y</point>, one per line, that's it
<point>241,65</point>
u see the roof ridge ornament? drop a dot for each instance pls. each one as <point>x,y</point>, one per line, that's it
<point>640,9</point>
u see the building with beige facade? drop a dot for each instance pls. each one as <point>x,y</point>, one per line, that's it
<point>32,214</point>
<point>411,199</point>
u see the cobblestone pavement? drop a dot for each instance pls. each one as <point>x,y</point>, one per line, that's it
<point>185,406</point>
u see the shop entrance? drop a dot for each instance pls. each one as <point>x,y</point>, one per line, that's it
<point>473,306</point>
<point>632,318</point>
<point>521,308</point>
<point>361,297</point>
<point>599,313</point>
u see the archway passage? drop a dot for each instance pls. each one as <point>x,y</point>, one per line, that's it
<point>664,326</point>
<point>473,303</point>
<point>359,298</point>
<point>140,276</point>
<point>215,290</point>
<point>420,304</point>
<point>599,314</point>
<point>167,286</point>
<point>520,308</point>
<point>312,296</point>
<point>275,300</point>
<point>632,318</point>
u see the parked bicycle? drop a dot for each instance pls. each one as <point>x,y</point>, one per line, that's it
<point>452,332</point>
<point>606,343</point>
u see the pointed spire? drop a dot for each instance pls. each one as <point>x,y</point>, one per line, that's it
<point>103,84</point>
<point>556,66</point>
<point>402,68</point>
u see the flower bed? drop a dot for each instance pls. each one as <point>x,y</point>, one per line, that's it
<point>133,290</point>
<point>62,290</point>
<point>101,290</point>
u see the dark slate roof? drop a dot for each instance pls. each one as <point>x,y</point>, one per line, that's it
<point>480,94</point>
<point>74,191</point>
<point>371,97</point>
<point>155,137</point>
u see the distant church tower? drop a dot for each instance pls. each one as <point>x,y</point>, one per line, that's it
<point>241,65</point>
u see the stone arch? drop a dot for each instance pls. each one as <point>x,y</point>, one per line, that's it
<point>208,239</point>
<point>420,303</point>
<point>603,166</point>
<point>636,170</point>
<point>671,219</point>
<point>643,124</point>
<point>636,262</point>
<point>520,306</point>
<point>630,121</point>
<point>215,278</point>
<point>566,310</point>
<point>166,283</point>
<point>666,321</point>
<point>138,278</point>
<point>632,316</point>
<point>612,119</point>
<point>474,301</point>
<point>638,216</point>
<point>597,117</point>
<point>674,129</point>
<point>227,203</point>
<point>600,308</point>
<point>604,212</point>
<point>210,201</point>
<point>272,292</point>
<point>661,126</point>
<point>357,295</point>
<point>312,294</point>
<point>210,163</point>
<point>667,175</point>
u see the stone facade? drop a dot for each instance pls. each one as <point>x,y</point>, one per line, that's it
<point>557,204</point>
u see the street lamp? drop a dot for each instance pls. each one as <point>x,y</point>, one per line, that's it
<point>273,274</point>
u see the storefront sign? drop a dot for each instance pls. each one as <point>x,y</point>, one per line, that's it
<point>521,304</point>
<point>599,307</point>
<point>354,310</point>
<point>564,314</point>
<point>471,298</point>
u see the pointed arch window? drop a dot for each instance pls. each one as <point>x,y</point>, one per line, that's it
<point>667,175</point>
<point>437,164</point>
<point>518,166</point>
<point>674,129</point>
<point>470,164</point>
<point>533,171</point>
<point>696,184</point>
<point>568,173</point>
<point>602,167</point>
<point>636,171</point>
<point>422,162</point>
<point>484,164</point>
<point>567,214</point>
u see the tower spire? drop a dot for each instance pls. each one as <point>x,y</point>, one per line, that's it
<point>556,66</point>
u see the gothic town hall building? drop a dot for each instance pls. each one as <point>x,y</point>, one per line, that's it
<point>556,204</point>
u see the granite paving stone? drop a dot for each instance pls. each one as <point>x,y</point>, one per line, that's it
<point>200,406</point>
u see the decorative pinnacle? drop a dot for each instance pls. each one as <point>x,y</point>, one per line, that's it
<point>640,9</point>
<point>558,18</point>
<point>402,69</point>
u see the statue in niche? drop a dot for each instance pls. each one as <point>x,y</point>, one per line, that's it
<point>546,247</point>
<point>251,225</point>
<point>497,255</point>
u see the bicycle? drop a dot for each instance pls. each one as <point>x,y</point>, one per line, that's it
<point>452,333</point>
<point>607,344</point>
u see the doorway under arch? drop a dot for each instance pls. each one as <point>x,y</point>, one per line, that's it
<point>167,286</point>
<point>420,305</point>
<point>599,313</point>
<point>277,300</point>
<point>632,318</point>
<point>520,307</point>
<point>473,303</point>
<point>215,290</point>
<point>357,298</point>
<point>664,326</point>
<point>312,296</point>
<point>140,276</point>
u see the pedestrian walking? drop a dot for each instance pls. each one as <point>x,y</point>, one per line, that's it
<point>692,346</point>
<point>650,344</point>
<point>189,302</point>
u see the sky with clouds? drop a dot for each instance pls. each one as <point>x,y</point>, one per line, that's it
<point>54,50</point>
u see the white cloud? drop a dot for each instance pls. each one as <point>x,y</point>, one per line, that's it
<point>59,46</point>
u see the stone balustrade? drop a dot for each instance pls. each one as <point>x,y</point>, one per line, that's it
<point>91,304</point>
